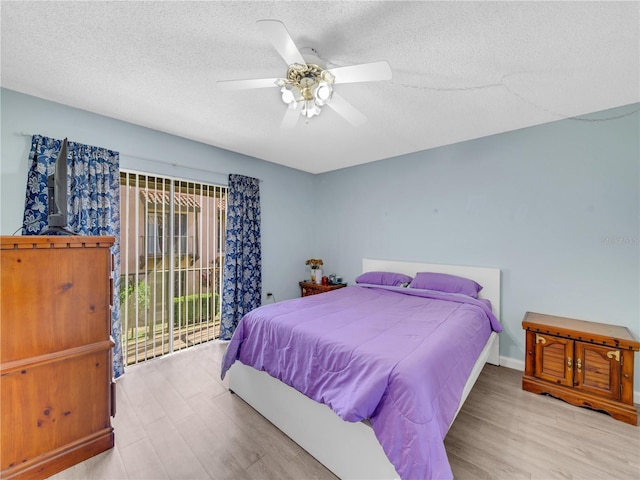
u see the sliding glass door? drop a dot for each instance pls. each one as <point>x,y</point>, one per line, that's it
<point>172,248</point>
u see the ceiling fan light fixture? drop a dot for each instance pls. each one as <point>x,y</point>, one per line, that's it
<point>327,76</point>
<point>290,93</point>
<point>309,85</point>
<point>310,109</point>
<point>322,93</point>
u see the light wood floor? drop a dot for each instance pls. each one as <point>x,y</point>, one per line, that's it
<point>176,420</point>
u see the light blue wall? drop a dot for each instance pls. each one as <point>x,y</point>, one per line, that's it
<point>285,239</point>
<point>555,207</point>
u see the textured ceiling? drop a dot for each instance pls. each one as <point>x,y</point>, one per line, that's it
<point>461,70</point>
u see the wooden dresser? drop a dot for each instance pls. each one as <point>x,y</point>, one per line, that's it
<point>584,363</point>
<point>56,348</point>
<point>310,288</point>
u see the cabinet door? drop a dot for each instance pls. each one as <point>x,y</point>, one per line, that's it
<point>598,369</point>
<point>554,362</point>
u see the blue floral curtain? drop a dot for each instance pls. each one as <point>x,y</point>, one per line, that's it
<point>93,204</point>
<point>242,277</point>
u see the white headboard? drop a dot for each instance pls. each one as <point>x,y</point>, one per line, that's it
<point>488,277</point>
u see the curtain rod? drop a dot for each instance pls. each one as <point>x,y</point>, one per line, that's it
<point>25,134</point>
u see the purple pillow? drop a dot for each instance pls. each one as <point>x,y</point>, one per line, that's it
<point>443,282</point>
<point>383,278</point>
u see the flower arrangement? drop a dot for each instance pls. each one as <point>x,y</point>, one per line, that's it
<point>316,273</point>
<point>314,263</point>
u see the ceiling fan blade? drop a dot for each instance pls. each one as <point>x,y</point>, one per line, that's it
<point>290,118</point>
<point>350,113</point>
<point>246,84</point>
<point>278,35</point>
<point>365,72</point>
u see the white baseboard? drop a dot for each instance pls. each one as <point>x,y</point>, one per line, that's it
<point>517,364</point>
<point>513,363</point>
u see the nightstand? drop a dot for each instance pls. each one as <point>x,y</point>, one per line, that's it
<point>584,363</point>
<point>309,288</point>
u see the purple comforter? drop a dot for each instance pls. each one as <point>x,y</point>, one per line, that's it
<point>397,356</point>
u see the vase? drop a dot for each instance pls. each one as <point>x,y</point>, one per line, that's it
<point>318,274</point>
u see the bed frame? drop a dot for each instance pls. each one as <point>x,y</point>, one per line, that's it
<point>351,450</point>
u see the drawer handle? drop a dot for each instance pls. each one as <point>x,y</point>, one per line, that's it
<point>540,339</point>
<point>579,364</point>
<point>569,363</point>
<point>614,354</point>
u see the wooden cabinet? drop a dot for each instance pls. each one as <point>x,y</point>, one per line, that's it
<point>310,288</point>
<point>56,353</point>
<point>583,363</point>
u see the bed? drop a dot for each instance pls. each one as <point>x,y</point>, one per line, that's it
<point>349,439</point>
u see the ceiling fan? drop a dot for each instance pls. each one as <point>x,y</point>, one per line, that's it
<point>308,85</point>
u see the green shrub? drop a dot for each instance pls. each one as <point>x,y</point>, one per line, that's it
<point>190,309</point>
